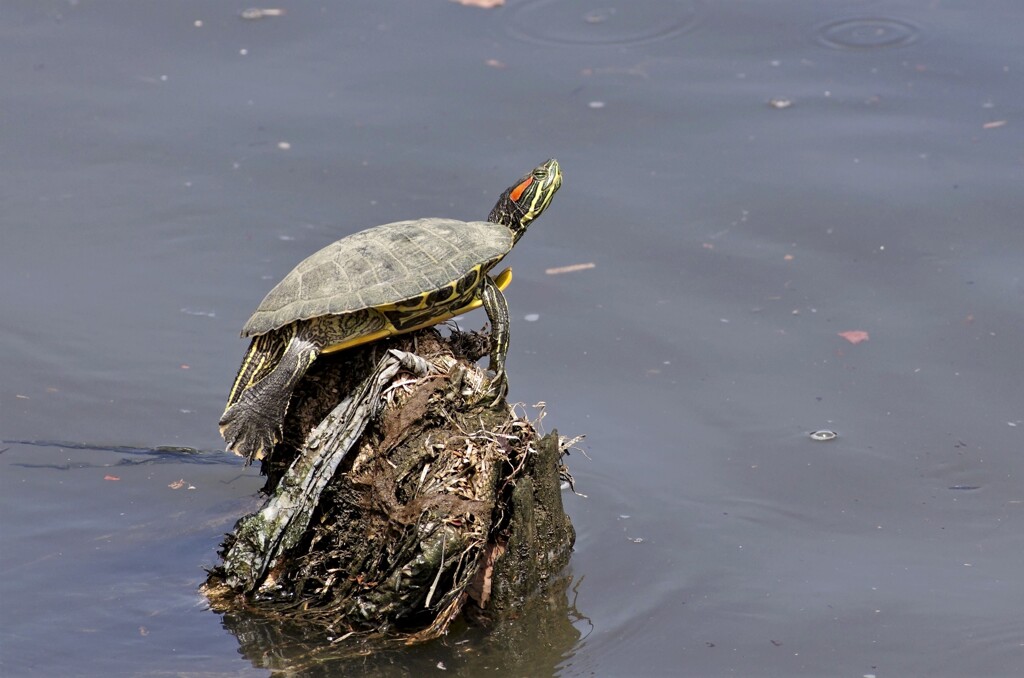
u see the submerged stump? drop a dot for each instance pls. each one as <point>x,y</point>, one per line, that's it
<point>400,499</point>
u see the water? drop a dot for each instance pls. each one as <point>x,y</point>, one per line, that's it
<point>158,176</point>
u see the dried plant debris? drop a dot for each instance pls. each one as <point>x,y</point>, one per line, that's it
<point>392,511</point>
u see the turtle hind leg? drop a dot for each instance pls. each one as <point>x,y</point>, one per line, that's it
<point>264,354</point>
<point>253,422</point>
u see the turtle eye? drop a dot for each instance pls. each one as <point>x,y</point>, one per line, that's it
<point>540,173</point>
<point>517,192</point>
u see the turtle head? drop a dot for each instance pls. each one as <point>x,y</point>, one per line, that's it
<point>523,201</point>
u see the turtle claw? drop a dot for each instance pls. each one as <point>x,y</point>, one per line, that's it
<point>249,436</point>
<point>498,387</point>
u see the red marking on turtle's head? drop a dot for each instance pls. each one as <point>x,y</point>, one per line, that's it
<point>517,192</point>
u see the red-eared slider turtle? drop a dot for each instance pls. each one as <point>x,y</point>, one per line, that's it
<point>382,281</point>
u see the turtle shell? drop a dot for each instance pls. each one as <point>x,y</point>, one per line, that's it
<point>383,265</point>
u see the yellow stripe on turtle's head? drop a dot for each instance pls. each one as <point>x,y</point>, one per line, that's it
<point>523,201</point>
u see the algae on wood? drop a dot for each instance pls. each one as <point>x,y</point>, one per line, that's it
<point>399,499</point>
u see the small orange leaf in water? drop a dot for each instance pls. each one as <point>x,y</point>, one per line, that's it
<point>110,477</point>
<point>855,336</point>
<point>495,63</point>
<point>177,484</point>
<point>486,4</point>
<point>995,124</point>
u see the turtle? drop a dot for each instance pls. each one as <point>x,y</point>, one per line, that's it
<point>382,281</point>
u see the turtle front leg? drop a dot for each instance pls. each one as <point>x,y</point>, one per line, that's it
<point>254,423</point>
<point>497,312</point>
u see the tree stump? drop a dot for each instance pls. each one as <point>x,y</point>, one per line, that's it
<point>400,499</point>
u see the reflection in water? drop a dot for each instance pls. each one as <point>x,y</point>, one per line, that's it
<point>171,453</point>
<point>535,642</point>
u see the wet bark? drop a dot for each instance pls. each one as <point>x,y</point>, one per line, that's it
<point>399,499</point>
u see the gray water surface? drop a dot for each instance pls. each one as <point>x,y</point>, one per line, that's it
<point>163,164</point>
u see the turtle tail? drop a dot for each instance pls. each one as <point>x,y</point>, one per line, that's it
<point>253,421</point>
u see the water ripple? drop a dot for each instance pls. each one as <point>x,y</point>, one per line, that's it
<point>595,22</point>
<point>867,33</point>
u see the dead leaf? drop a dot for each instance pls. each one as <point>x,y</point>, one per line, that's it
<point>110,477</point>
<point>994,124</point>
<point>177,484</point>
<point>572,268</point>
<point>480,588</point>
<point>854,336</point>
<point>485,4</point>
<point>789,257</point>
<point>495,63</point>
<point>143,631</point>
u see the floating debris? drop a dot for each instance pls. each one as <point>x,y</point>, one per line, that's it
<point>188,310</point>
<point>571,268</point>
<point>855,336</point>
<point>599,16</point>
<point>483,4</point>
<point>780,102</point>
<point>254,13</point>
<point>823,435</point>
